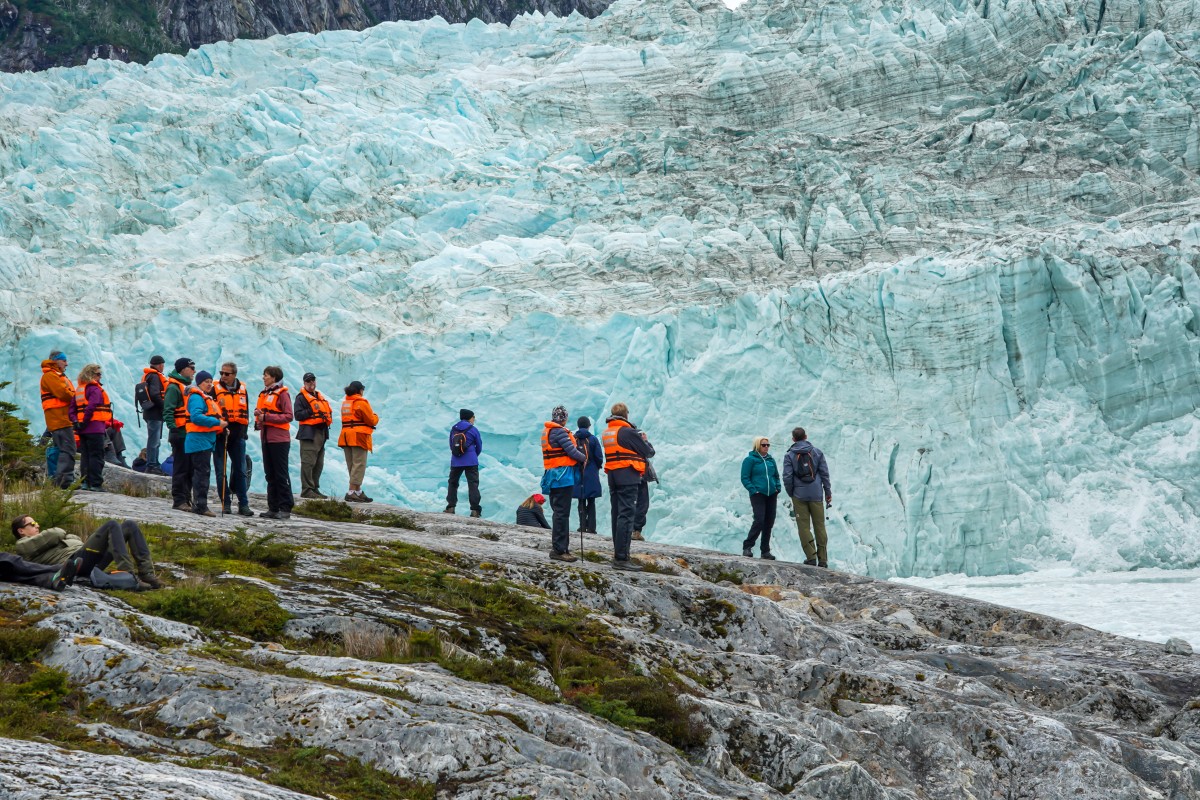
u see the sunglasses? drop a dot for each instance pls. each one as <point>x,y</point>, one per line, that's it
<point>765,444</point>
<point>31,524</point>
<point>223,372</point>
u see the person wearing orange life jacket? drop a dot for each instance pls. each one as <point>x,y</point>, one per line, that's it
<point>273,419</point>
<point>156,390</point>
<point>358,421</point>
<point>93,413</point>
<point>560,460</point>
<point>58,406</point>
<point>315,415</point>
<point>229,453</point>
<point>204,423</point>
<point>626,458</point>
<point>175,418</point>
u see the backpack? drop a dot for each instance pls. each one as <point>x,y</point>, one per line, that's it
<point>113,580</point>
<point>458,443</point>
<point>806,468</point>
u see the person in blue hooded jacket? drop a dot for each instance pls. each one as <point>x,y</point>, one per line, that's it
<point>465,447</point>
<point>806,478</point>
<point>760,477</point>
<point>588,488</point>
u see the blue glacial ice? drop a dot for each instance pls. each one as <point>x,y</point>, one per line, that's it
<point>956,240</point>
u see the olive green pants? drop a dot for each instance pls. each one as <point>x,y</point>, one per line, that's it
<point>813,510</point>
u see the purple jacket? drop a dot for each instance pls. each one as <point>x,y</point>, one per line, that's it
<point>271,434</point>
<point>94,398</point>
<point>474,445</point>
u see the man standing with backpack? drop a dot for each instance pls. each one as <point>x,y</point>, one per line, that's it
<point>465,446</point>
<point>150,394</point>
<point>806,479</point>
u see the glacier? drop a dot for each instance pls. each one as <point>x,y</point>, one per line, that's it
<point>957,240</point>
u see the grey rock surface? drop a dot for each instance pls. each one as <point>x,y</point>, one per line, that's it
<point>813,683</point>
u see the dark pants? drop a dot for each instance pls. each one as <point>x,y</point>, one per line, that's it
<point>15,569</point>
<point>64,470</point>
<point>114,447</point>
<point>201,472</point>
<point>91,459</point>
<point>623,505</point>
<point>587,514</point>
<point>229,462</point>
<point>275,471</point>
<point>472,474</point>
<point>560,521</point>
<point>764,519</point>
<point>153,440</point>
<point>122,542</point>
<point>181,469</point>
<point>642,508</point>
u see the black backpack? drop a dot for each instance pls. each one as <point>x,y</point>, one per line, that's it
<point>806,468</point>
<point>458,443</point>
<point>141,397</point>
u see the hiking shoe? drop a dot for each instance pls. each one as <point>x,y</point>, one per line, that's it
<point>362,498</point>
<point>448,510</point>
<point>269,514</point>
<point>747,552</point>
<point>810,562</point>
<point>637,536</point>
<point>155,471</point>
<point>204,512</point>
<point>182,507</point>
<point>627,565</point>
<point>152,581</point>
<point>768,556</point>
<point>65,575</point>
<point>245,511</point>
<point>475,512</point>
<point>309,494</point>
<point>227,508</point>
<point>350,497</point>
<point>284,515</point>
<point>823,565</point>
<point>567,557</point>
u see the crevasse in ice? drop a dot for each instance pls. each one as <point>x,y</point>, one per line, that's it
<point>957,240</point>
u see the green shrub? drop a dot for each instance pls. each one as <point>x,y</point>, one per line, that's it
<point>338,511</point>
<point>249,611</point>
<point>238,553</point>
<point>261,549</point>
<point>24,644</point>
<point>20,457</point>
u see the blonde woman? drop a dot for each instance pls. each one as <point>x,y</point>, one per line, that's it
<point>93,415</point>
<point>760,476</point>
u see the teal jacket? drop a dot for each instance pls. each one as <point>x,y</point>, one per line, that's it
<point>760,475</point>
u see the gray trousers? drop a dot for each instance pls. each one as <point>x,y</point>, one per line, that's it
<point>64,440</point>
<point>312,461</point>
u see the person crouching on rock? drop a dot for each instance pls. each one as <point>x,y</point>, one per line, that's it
<point>203,425</point>
<point>119,541</point>
<point>530,512</point>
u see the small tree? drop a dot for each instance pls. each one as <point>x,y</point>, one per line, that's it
<point>20,456</point>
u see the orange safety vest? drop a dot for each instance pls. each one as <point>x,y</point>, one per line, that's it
<point>210,408</point>
<point>618,457</point>
<point>49,401</point>
<point>356,431</point>
<point>268,400</point>
<point>234,403</point>
<point>181,415</point>
<point>102,412</point>
<point>322,412</point>
<point>162,382</point>
<point>555,456</point>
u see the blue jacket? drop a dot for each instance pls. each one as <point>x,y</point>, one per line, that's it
<point>589,480</point>
<point>474,445</point>
<point>760,475</point>
<point>199,442</point>
<point>817,490</point>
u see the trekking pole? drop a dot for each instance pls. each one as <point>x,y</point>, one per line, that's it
<point>224,474</point>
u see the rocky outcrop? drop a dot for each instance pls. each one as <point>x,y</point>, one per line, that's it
<point>797,682</point>
<point>44,36</point>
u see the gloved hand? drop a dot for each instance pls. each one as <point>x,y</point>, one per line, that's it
<point>116,423</point>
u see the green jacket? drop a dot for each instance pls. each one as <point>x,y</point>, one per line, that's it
<point>760,475</point>
<point>53,547</point>
<point>174,399</point>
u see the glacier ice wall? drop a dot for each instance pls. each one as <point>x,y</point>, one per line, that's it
<point>957,240</point>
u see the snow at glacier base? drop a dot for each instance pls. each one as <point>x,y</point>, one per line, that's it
<point>956,241</point>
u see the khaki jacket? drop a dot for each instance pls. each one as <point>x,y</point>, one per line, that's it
<point>53,547</point>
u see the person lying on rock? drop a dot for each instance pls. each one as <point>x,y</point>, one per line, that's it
<point>112,541</point>
<point>14,569</point>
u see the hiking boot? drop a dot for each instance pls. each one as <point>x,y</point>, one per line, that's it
<point>567,557</point>
<point>810,562</point>
<point>747,552</point>
<point>448,510</point>
<point>637,536</point>
<point>227,508</point>
<point>284,515</point>
<point>151,580</point>
<point>362,498</point>
<point>182,507</point>
<point>204,512</point>
<point>245,511</point>
<point>475,512</point>
<point>65,575</point>
<point>269,514</point>
<point>350,497</point>
<point>768,556</point>
<point>626,565</point>
<point>309,494</point>
<point>823,565</point>
<point>155,471</point>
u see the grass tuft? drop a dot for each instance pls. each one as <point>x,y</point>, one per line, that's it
<point>246,610</point>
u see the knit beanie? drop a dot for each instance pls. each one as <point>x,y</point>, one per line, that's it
<point>183,363</point>
<point>202,376</point>
<point>583,422</point>
<point>559,415</point>
<point>465,414</point>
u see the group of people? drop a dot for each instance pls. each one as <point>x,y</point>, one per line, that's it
<point>208,422</point>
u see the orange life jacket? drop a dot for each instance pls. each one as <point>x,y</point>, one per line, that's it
<point>555,456</point>
<point>618,457</point>
<point>49,401</point>
<point>321,410</point>
<point>268,400</point>
<point>102,412</point>
<point>358,420</point>
<point>210,408</point>
<point>181,415</point>
<point>234,403</point>
<point>162,383</point>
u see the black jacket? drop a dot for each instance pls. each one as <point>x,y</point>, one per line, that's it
<point>631,439</point>
<point>154,388</point>
<point>301,411</point>
<point>532,517</point>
